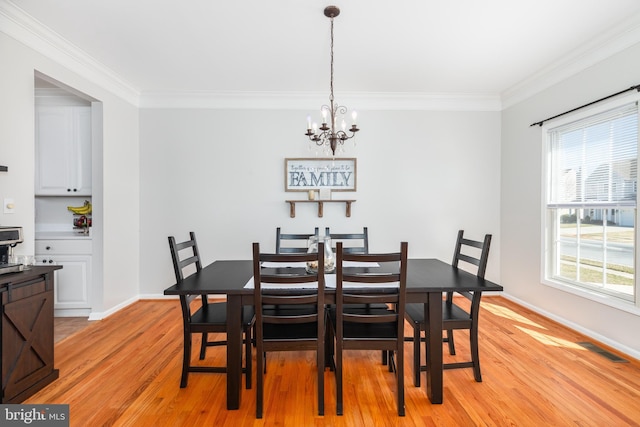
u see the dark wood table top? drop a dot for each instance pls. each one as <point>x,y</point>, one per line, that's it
<point>423,276</point>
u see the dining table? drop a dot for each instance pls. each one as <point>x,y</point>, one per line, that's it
<point>427,280</point>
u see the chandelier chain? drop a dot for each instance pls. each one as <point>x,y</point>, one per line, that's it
<point>331,85</point>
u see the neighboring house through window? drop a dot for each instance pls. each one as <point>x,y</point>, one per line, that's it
<point>591,201</point>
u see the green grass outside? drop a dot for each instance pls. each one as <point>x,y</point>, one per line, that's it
<point>594,275</point>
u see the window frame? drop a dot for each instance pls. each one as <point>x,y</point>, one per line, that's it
<point>548,221</point>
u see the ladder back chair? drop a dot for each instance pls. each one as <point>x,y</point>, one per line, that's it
<point>454,316</point>
<point>209,317</point>
<point>299,327</point>
<point>292,238</point>
<point>370,329</point>
<point>357,243</point>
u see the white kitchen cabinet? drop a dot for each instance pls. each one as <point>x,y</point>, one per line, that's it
<point>63,151</point>
<point>72,282</point>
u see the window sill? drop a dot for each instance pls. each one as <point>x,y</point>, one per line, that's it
<point>607,300</point>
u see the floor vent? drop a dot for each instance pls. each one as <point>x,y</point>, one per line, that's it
<point>592,347</point>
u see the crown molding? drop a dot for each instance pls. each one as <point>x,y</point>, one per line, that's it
<point>19,25</point>
<point>307,100</point>
<point>623,36</point>
<point>22,27</point>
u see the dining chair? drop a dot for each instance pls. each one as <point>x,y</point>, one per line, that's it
<point>356,242</point>
<point>209,317</point>
<point>300,240</point>
<point>299,327</point>
<point>372,329</point>
<point>454,316</point>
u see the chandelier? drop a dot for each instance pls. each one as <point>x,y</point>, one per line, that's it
<point>329,135</point>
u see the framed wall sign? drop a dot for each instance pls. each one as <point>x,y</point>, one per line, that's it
<point>316,174</point>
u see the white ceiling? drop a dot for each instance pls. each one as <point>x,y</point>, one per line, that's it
<point>467,47</point>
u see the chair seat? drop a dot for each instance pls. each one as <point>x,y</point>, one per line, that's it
<point>365,330</point>
<point>297,332</point>
<point>216,314</point>
<point>450,312</point>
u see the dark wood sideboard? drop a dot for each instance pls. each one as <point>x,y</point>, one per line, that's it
<point>26,331</point>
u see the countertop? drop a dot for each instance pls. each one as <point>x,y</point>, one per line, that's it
<point>62,235</point>
<point>25,275</point>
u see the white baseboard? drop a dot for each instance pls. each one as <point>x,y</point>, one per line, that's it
<point>101,315</point>
<point>71,312</point>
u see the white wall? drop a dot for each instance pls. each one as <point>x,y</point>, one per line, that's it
<point>521,202</point>
<point>422,175</point>
<point>119,197</point>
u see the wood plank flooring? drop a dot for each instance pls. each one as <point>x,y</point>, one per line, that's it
<point>125,371</point>
<point>64,327</point>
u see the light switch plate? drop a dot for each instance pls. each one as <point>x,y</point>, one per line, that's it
<point>9,206</point>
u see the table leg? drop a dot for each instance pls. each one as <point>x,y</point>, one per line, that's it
<point>234,351</point>
<point>433,344</point>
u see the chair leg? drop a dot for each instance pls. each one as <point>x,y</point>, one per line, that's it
<point>339,407</point>
<point>203,345</point>
<point>384,357</point>
<point>416,355</point>
<point>186,359</point>
<point>248,358</point>
<point>452,346</point>
<point>391,361</point>
<point>259,381</point>
<point>475,355</point>
<point>320,369</point>
<point>399,368</point>
<point>328,347</point>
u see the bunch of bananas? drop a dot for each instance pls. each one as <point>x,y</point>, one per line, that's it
<point>81,210</point>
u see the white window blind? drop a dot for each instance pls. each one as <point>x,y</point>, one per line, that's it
<point>593,161</point>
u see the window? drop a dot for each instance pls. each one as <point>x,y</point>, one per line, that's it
<point>592,170</point>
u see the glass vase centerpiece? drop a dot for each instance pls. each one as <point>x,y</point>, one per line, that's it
<point>329,259</point>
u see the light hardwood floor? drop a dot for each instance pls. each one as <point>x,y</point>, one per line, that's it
<point>125,371</point>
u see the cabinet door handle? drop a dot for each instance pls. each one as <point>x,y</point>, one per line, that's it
<point>50,261</point>
<point>48,248</point>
